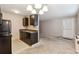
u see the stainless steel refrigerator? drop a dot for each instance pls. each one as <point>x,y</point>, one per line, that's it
<point>5,36</point>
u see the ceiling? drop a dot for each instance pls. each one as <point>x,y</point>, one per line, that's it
<point>54,10</point>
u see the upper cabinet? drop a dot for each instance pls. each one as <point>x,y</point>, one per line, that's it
<point>31,20</point>
<point>25,21</point>
<point>0,18</point>
<point>34,19</point>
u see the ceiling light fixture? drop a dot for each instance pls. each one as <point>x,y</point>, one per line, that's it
<point>37,8</point>
<point>15,11</point>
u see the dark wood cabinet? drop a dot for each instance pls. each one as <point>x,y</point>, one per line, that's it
<point>0,18</point>
<point>25,21</point>
<point>29,37</point>
<point>34,19</point>
<point>5,44</point>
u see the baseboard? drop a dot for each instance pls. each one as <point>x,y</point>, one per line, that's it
<point>68,38</point>
<point>50,36</point>
<point>54,36</point>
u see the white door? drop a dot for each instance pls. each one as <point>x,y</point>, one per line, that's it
<point>69,27</point>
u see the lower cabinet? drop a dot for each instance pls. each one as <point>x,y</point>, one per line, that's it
<point>29,37</point>
<point>5,44</point>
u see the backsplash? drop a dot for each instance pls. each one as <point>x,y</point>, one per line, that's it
<point>31,27</point>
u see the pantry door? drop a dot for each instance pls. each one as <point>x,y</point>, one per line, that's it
<point>69,28</point>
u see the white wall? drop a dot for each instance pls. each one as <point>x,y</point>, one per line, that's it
<point>50,28</point>
<point>60,10</point>
<point>16,21</point>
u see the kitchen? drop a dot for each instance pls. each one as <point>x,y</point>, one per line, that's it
<point>39,33</point>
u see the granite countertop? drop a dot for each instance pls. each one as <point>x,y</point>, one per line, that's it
<point>28,30</point>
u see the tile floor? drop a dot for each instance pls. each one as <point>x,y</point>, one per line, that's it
<point>46,46</point>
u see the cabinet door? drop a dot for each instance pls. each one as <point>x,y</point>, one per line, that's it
<point>34,37</point>
<point>34,19</point>
<point>25,22</point>
<point>0,18</point>
<point>5,45</point>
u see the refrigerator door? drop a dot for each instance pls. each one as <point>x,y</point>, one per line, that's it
<point>5,26</point>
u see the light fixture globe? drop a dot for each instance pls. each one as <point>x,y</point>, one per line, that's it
<point>45,9</point>
<point>29,8</point>
<point>33,11</point>
<point>41,12</point>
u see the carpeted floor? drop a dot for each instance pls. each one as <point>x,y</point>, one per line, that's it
<point>47,46</point>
